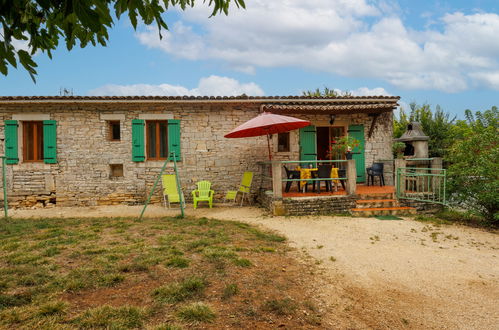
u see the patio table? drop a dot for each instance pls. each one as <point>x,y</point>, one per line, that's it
<point>306,173</point>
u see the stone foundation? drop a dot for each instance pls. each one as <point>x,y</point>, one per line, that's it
<point>422,207</point>
<point>28,200</point>
<point>297,206</point>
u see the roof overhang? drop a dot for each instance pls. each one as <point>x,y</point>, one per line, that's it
<point>282,104</point>
<point>329,108</point>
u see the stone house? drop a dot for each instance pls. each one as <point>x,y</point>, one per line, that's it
<point>74,150</point>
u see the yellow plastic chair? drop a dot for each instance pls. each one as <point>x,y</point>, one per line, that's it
<point>244,189</point>
<point>203,193</point>
<point>170,191</point>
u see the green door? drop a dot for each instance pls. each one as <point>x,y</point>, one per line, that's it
<point>357,132</point>
<point>308,150</point>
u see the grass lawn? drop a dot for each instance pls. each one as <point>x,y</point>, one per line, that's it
<point>166,273</point>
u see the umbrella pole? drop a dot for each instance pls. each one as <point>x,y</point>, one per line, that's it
<point>268,145</point>
<point>270,156</point>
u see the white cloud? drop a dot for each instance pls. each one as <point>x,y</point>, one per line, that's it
<point>208,86</point>
<point>489,79</point>
<point>364,91</point>
<point>356,38</point>
<point>20,44</point>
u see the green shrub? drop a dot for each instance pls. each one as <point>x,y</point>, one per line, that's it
<point>474,173</point>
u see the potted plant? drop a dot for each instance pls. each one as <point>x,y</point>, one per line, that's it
<point>398,149</point>
<point>344,145</point>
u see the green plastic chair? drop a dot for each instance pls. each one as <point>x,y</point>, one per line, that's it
<point>170,191</point>
<point>244,189</point>
<point>203,193</point>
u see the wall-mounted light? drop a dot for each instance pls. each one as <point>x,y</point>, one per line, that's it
<point>331,120</point>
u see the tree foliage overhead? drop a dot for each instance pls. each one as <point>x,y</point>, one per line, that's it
<point>43,23</point>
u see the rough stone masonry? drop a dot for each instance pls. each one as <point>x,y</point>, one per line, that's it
<point>87,158</point>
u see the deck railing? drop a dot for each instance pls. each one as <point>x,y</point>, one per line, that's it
<point>422,184</point>
<point>275,173</point>
<point>421,179</point>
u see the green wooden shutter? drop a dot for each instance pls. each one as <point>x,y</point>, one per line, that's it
<point>138,150</point>
<point>11,146</point>
<point>357,132</point>
<point>308,143</point>
<point>50,141</point>
<point>174,139</point>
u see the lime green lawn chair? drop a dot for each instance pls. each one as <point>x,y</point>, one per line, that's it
<point>170,191</point>
<point>203,193</point>
<point>244,189</point>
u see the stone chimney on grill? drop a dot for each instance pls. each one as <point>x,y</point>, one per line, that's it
<point>416,142</point>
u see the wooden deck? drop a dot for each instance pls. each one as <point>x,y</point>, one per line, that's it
<point>361,190</point>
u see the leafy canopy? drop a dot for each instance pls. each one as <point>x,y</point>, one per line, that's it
<point>42,23</point>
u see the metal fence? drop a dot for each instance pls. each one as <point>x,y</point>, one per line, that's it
<point>422,184</point>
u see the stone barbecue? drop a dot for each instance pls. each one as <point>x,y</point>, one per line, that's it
<point>416,141</point>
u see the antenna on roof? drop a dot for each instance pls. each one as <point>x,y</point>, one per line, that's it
<point>63,91</point>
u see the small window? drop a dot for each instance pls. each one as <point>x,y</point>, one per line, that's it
<point>33,141</point>
<point>115,170</point>
<point>283,142</point>
<point>157,139</point>
<point>114,130</point>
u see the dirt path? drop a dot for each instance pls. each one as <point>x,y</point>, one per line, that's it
<point>377,274</point>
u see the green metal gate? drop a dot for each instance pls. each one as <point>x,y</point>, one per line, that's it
<point>422,184</point>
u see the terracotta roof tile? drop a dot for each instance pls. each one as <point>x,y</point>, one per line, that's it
<point>277,104</point>
<point>188,98</point>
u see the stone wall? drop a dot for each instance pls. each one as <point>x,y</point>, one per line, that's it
<point>84,152</point>
<point>82,175</point>
<point>316,205</point>
<point>422,207</point>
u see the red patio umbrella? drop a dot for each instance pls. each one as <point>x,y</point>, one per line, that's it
<point>267,123</point>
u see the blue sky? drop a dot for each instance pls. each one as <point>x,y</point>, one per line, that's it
<point>436,52</point>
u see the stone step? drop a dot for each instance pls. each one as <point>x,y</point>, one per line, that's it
<point>376,203</point>
<point>377,196</point>
<point>373,211</point>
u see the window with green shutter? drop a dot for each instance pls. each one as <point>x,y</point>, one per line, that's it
<point>174,139</point>
<point>138,152</point>
<point>155,139</point>
<point>39,141</point>
<point>32,141</point>
<point>11,144</point>
<point>50,141</point>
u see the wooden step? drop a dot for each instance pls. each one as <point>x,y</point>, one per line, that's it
<point>376,203</point>
<point>373,211</point>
